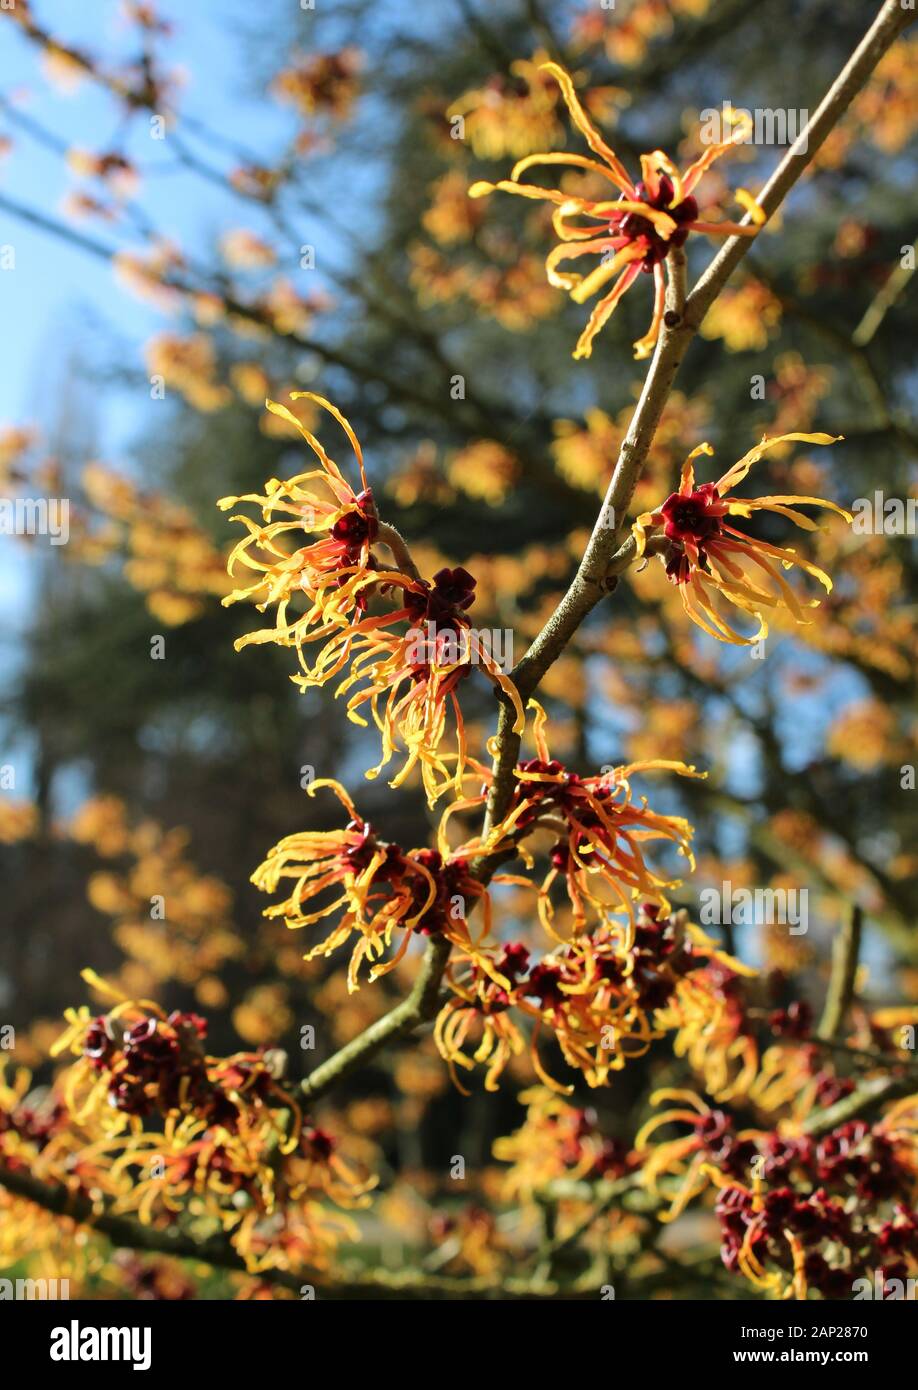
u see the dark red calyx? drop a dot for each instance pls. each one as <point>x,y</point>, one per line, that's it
<point>692,517</point>
<point>633,225</point>
<point>513,960</point>
<point>544,984</point>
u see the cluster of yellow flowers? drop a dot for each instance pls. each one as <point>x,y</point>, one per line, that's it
<point>171,922</point>
<point>145,1122</point>
<point>625,34</point>
<point>168,557</point>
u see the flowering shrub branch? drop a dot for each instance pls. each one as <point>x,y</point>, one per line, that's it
<point>830,1164</point>
<point>607,555</point>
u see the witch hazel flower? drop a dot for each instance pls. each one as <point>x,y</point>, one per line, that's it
<point>711,560</point>
<point>632,233</point>
<point>325,595</point>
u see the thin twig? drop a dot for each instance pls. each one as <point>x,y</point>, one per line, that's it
<point>416,1008</point>
<point>845,954</point>
<point>884,300</point>
<point>126,1232</point>
<point>604,1197</point>
<point>396,542</point>
<point>869,1097</point>
<point>863,1056</point>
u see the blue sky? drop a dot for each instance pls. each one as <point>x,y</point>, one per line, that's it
<point>53,280</point>
<point>68,321</point>
<point>61,308</point>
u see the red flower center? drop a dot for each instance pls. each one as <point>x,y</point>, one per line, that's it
<point>356,527</point>
<point>633,226</point>
<point>692,517</point>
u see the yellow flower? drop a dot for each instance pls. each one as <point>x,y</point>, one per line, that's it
<point>19,820</point>
<point>339,561</point>
<point>510,116</point>
<point>409,661</point>
<point>599,828</point>
<point>322,84</point>
<point>484,469</point>
<point>631,233</point>
<point>373,887</point>
<point>709,558</point>
<point>744,317</point>
<point>450,217</point>
<point>603,997</point>
<point>188,364</point>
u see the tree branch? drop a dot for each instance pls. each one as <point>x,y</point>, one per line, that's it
<point>416,1008</point>
<point>217,1251</point>
<point>860,1104</point>
<point>845,953</point>
<point>883,302</point>
<point>126,1232</point>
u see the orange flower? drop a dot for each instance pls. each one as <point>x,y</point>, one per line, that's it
<point>712,1028</point>
<point>600,831</point>
<point>510,115</point>
<point>689,1158</point>
<point>411,677</point>
<point>321,84</point>
<point>377,887</point>
<point>409,660</point>
<point>604,997</point>
<point>556,1140</point>
<point>630,234</point>
<point>340,561</point>
<point>707,557</point>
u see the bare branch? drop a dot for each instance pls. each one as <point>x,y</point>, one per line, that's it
<point>123,1230</point>
<point>883,302</point>
<point>416,1008</point>
<point>869,1097</point>
<point>395,541</point>
<point>845,953</point>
